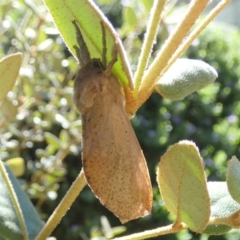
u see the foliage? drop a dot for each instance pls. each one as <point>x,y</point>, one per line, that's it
<point>208,117</point>
<point>46,130</point>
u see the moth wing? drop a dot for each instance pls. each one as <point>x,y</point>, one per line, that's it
<point>114,165</point>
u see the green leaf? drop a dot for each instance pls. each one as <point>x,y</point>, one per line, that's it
<point>8,111</point>
<point>219,229</point>
<point>17,166</point>
<point>9,224</point>
<point>89,18</point>
<point>147,4</point>
<point>118,230</point>
<point>233,178</point>
<point>64,137</point>
<point>110,232</point>
<point>184,77</point>
<point>52,140</point>
<point>183,187</point>
<point>222,206</point>
<point>130,16</point>
<point>9,68</point>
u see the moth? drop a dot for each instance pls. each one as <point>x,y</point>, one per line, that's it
<point>113,163</point>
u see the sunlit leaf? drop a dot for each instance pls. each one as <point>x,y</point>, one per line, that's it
<point>89,18</point>
<point>17,166</point>
<point>222,206</point>
<point>118,230</point>
<point>64,137</point>
<point>52,140</point>
<point>9,68</point>
<point>8,111</point>
<point>183,187</point>
<point>147,4</point>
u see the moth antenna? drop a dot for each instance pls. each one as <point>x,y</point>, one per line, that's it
<point>82,52</point>
<point>104,43</point>
<point>104,53</point>
<point>113,60</point>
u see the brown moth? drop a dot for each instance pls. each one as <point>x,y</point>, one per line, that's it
<point>113,163</point>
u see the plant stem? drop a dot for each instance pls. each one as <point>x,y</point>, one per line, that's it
<point>155,232</point>
<point>63,207</point>
<point>14,200</point>
<point>182,29</point>
<point>149,39</point>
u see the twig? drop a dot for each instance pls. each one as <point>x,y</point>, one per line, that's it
<point>195,33</point>
<point>149,39</point>
<point>63,207</point>
<point>155,232</point>
<point>182,29</point>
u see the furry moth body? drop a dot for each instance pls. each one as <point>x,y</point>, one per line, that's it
<point>113,162</point>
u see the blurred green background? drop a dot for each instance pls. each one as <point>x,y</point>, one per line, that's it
<point>43,127</point>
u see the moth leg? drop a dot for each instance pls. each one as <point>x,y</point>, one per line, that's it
<point>82,52</point>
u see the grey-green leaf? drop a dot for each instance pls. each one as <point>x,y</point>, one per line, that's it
<point>233,178</point>
<point>184,77</point>
<point>222,205</point>
<point>9,224</point>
